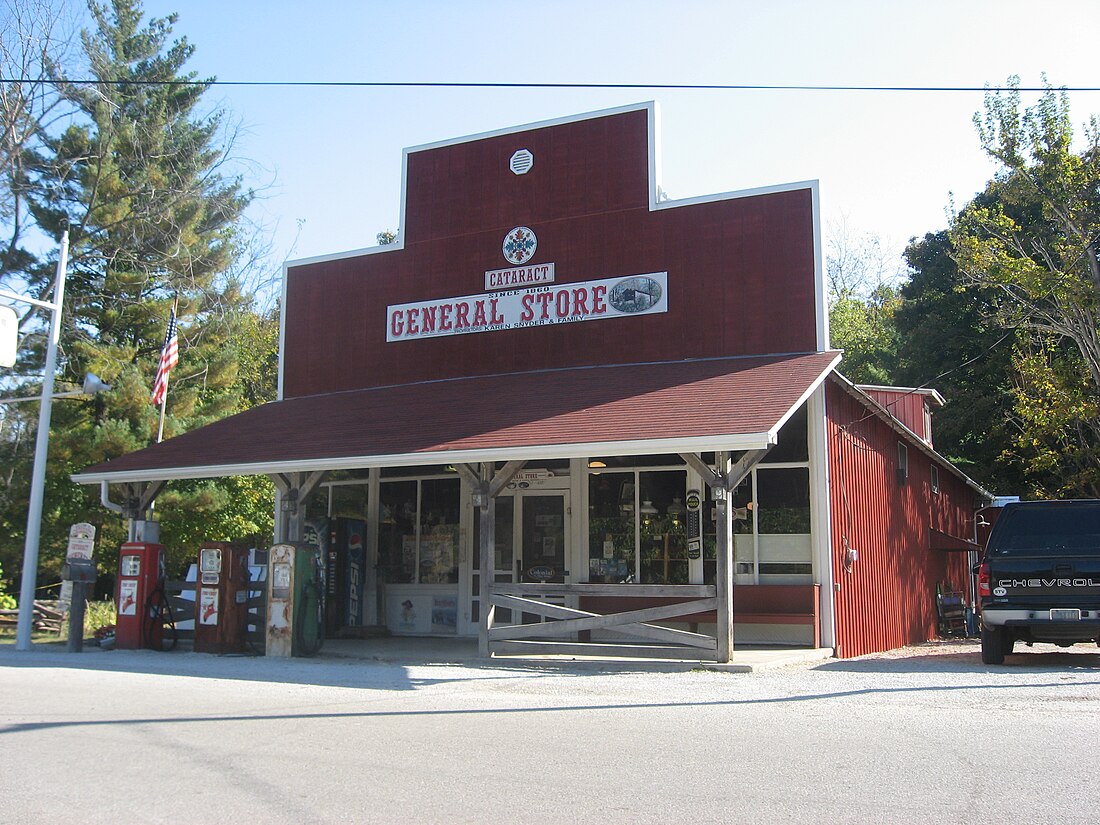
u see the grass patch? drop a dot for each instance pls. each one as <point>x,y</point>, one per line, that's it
<point>97,614</point>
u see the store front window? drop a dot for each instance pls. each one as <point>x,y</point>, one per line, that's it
<point>637,529</point>
<point>418,531</point>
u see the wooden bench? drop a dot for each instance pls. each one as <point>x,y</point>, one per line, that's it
<point>793,604</point>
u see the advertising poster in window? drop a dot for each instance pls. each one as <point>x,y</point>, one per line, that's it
<point>444,614</point>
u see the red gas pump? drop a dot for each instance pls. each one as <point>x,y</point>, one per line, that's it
<point>139,596</point>
<point>221,598</point>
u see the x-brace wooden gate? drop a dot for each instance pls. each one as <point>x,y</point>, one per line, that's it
<point>661,642</point>
<point>546,637</point>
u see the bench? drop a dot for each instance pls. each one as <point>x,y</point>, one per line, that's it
<point>790,604</point>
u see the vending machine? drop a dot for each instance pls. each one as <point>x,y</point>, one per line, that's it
<point>344,551</point>
<point>139,596</point>
<point>221,598</point>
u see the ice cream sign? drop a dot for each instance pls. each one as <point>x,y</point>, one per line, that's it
<point>534,306</point>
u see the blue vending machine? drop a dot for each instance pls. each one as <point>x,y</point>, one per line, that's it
<point>343,548</point>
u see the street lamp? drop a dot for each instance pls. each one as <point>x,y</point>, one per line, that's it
<point>41,448</point>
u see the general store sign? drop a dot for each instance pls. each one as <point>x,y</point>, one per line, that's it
<point>532,307</point>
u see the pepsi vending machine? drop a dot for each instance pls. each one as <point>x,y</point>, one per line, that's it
<point>343,549</point>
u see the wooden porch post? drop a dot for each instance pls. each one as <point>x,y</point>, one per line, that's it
<point>487,514</point>
<point>294,489</point>
<point>724,554</point>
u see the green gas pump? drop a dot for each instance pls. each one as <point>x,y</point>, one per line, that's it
<point>295,603</point>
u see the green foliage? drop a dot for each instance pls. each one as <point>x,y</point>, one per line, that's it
<point>7,600</point>
<point>864,328</point>
<point>98,614</point>
<point>140,176</point>
<point>1030,246</point>
<point>949,342</point>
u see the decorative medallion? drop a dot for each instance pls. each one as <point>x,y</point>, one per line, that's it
<point>635,294</point>
<point>519,245</point>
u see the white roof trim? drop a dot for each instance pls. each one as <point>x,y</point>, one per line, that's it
<point>926,391</point>
<point>701,444</point>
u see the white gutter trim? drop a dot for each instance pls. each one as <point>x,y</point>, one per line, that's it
<point>730,441</point>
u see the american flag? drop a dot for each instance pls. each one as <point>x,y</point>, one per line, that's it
<point>169,357</point>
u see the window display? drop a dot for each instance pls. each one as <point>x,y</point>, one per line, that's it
<point>637,530</point>
<point>418,531</point>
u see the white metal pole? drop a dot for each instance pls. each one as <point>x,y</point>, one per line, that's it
<point>38,476</point>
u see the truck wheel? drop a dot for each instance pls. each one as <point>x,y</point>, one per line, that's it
<point>993,645</point>
<point>1008,641</point>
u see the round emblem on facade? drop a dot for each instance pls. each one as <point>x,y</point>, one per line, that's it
<point>519,245</point>
<point>635,294</point>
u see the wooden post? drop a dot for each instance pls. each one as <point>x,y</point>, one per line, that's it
<point>724,554</point>
<point>487,514</point>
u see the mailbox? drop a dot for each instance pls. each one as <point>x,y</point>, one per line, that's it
<point>81,571</point>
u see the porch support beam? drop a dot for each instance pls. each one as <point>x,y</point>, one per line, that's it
<point>487,482</point>
<point>487,513</point>
<point>724,559</point>
<point>294,490</point>
<point>727,476</point>
<point>139,498</point>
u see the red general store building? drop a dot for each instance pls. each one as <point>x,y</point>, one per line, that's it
<point>625,406</point>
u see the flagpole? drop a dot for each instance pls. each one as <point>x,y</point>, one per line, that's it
<point>164,398</point>
<point>163,404</point>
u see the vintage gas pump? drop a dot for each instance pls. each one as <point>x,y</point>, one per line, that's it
<point>221,598</point>
<point>139,596</point>
<point>295,607</point>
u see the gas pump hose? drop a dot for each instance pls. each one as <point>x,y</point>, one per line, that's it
<point>159,609</point>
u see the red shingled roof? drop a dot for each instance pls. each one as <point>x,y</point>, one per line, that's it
<point>699,405</point>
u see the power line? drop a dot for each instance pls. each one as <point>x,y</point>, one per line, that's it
<point>430,84</point>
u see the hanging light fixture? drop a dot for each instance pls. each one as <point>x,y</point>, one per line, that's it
<point>648,511</point>
<point>676,511</point>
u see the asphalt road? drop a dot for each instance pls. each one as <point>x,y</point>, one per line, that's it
<point>925,735</point>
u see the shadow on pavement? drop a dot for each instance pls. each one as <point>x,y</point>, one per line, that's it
<point>964,656</point>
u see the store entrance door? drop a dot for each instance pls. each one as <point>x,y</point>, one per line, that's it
<point>532,545</point>
<point>541,536</point>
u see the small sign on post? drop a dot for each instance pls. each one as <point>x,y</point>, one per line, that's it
<point>9,336</point>
<point>81,546</point>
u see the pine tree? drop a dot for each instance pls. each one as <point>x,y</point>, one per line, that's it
<point>140,177</point>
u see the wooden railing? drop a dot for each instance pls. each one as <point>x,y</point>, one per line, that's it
<point>556,636</point>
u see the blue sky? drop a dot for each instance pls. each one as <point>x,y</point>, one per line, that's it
<point>887,162</point>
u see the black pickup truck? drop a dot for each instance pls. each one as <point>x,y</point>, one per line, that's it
<point>1039,580</point>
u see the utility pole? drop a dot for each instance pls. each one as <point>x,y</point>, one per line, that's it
<point>41,449</point>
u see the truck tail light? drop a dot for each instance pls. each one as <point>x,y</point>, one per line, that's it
<point>983,580</point>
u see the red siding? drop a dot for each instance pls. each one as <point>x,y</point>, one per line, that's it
<point>887,597</point>
<point>907,407</point>
<point>740,271</point>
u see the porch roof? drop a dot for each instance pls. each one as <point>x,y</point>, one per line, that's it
<point>665,407</point>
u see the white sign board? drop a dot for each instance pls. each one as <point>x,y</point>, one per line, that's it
<point>9,336</point>
<point>533,307</point>
<point>81,546</point>
<point>81,541</point>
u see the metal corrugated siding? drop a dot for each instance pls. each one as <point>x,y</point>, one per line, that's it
<point>887,598</point>
<point>907,407</point>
